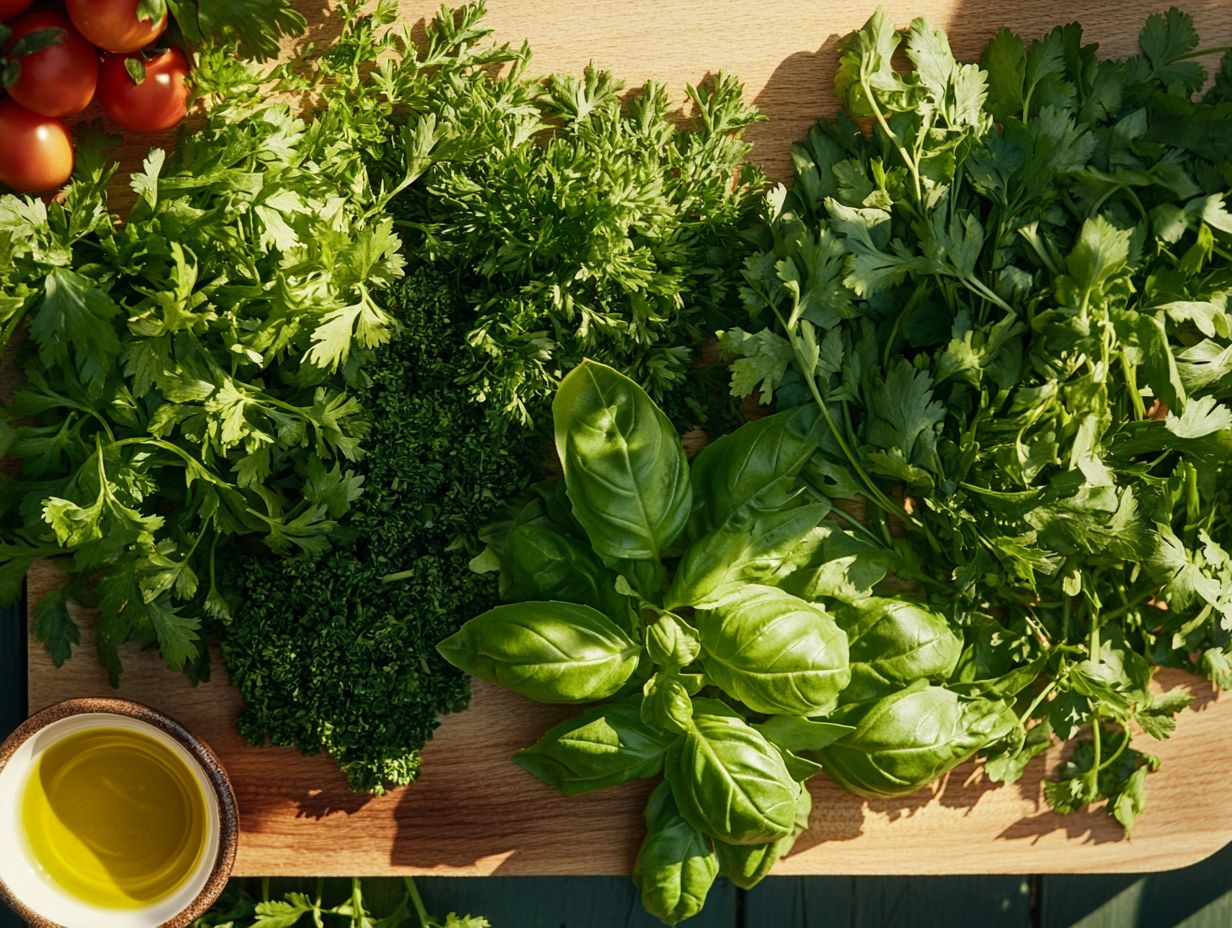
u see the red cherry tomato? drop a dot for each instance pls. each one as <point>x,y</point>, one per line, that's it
<point>37,151</point>
<point>158,102</point>
<point>113,25</point>
<point>11,8</point>
<point>60,79</point>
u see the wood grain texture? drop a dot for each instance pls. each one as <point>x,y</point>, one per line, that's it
<point>785,52</point>
<point>475,813</point>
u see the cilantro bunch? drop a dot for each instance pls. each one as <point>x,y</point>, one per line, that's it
<point>1008,300</point>
<point>190,373</point>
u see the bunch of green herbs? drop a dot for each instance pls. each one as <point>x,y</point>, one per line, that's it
<point>190,373</point>
<point>1008,300</point>
<point>610,204</point>
<point>717,619</point>
<point>593,223</point>
<point>334,651</point>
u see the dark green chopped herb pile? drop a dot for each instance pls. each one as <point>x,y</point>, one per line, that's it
<point>328,654</point>
<point>1009,300</point>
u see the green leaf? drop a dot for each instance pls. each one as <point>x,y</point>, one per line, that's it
<point>676,865</point>
<point>793,733</point>
<point>178,635</point>
<point>760,361</point>
<point>1101,251</point>
<point>1165,40</point>
<point>775,653</point>
<point>666,704</point>
<point>758,465</point>
<point>1005,61</point>
<point>73,326</point>
<point>906,740</point>
<point>546,651</point>
<point>54,626</point>
<point>730,783</point>
<point>751,547</point>
<point>599,748</point>
<point>1202,416</point>
<point>539,562</point>
<point>894,642</point>
<point>865,64</point>
<point>671,642</point>
<point>136,70</point>
<point>256,26</point>
<point>1008,763</point>
<point>746,865</point>
<point>624,466</point>
<point>1130,802</point>
<point>33,42</point>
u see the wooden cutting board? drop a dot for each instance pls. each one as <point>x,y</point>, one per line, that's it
<point>473,812</point>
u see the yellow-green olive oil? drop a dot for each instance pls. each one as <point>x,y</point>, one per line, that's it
<point>114,817</point>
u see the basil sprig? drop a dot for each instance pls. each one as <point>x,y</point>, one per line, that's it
<point>723,613</point>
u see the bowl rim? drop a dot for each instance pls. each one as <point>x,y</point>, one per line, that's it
<point>228,810</point>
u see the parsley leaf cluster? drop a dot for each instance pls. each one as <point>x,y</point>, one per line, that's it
<point>190,373</point>
<point>1008,299</point>
<point>593,223</point>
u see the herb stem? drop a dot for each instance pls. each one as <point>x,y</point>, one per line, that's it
<point>1115,754</point>
<point>412,893</point>
<point>875,493</point>
<point>1035,703</point>
<point>889,134</point>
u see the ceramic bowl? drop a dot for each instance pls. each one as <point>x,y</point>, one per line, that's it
<point>34,896</point>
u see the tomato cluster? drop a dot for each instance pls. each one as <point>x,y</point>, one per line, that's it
<point>72,54</point>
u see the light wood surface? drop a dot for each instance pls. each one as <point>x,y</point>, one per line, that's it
<point>785,51</point>
<point>473,812</point>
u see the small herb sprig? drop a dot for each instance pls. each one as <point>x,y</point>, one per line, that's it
<point>327,903</point>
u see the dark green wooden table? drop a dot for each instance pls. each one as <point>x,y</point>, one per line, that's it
<point>1198,897</point>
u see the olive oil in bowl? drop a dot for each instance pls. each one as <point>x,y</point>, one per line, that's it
<point>114,817</point>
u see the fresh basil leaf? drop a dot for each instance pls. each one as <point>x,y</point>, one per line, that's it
<point>749,548</point>
<point>671,642</point>
<point>596,749</point>
<point>676,865</point>
<point>757,465</point>
<point>906,740</point>
<point>539,562</point>
<point>775,653</point>
<point>625,468</point>
<point>730,782</point>
<point>894,642</point>
<point>835,564</point>
<point>546,651</point>
<point>746,865</point>
<point>793,733</point>
<point>666,703</point>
